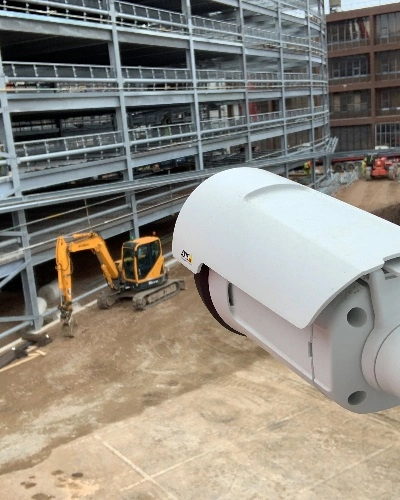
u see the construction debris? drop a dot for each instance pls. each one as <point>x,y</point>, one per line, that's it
<point>28,354</point>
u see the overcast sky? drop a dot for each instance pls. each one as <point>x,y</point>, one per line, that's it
<point>360,4</point>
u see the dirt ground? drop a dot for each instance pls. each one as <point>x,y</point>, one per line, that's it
<point>379,196</point>
<point>120,361</point>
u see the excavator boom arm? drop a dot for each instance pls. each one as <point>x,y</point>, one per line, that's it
<point>80,242</point>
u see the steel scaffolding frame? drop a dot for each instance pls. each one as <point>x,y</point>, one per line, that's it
<point>245,81</point>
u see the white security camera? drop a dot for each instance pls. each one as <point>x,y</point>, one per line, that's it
<point>313,280</point>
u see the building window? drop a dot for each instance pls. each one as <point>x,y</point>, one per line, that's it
<point>350,104</point>
<point>388,28</point>
<point>348,67</point>
<point>388,134</point>
<point>388,101</point>
<point>351,31</point>
<point>387,65</point>
<point>353,138</point>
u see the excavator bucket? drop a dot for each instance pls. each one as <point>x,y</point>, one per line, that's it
<point>67,322</point>
<point>67,330</point>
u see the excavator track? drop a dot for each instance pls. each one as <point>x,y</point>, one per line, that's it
<point>107,299</point>
<point>152,297</point>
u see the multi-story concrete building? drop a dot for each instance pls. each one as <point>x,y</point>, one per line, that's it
<point>112,111</point>
<point>364,71</point>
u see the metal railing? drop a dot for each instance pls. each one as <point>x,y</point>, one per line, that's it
<point>302,80</point>
<point>87,10</point>
<point>20,71</point>
<point>50,153</point>
<point>214,79</point>
<point>223,126</point>
<point>287,6</point>
<point>263,39</point>
<point>263,80</point>
<point>266,117</point>
<point>129,14</point>
<point>39,77</point>
<point>136,16</point>
<point>212,28</point>
<point>140,78</point>
<point>150,138</point>
<point>267,120</point>
<point>43,77</point>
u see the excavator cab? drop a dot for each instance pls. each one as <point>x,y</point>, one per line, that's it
<point>143,263</point>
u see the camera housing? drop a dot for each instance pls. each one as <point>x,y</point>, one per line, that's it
<point>312,280</point>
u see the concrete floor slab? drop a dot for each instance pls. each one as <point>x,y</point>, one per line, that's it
<point>256,434</point>
<point>82,468</point>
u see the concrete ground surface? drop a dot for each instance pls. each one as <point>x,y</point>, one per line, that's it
<point>258,433</point>
<point>166,404</point>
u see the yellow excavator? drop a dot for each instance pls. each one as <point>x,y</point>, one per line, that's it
<point>140,274</point>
